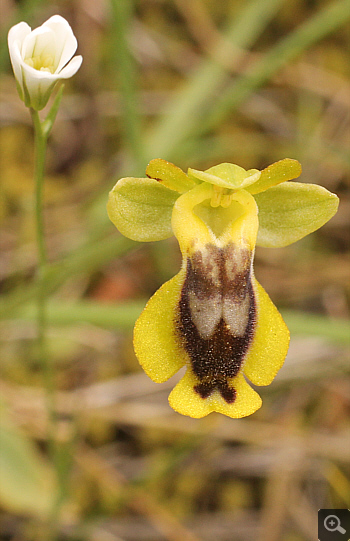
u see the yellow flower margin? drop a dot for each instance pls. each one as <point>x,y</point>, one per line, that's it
<point>214,317</point>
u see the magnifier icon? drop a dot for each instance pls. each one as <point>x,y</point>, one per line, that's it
<point>332,524</point>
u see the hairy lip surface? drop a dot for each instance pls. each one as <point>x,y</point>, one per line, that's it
<point>217,312</point>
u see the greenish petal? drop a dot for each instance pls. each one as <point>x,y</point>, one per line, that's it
<point>290,211</point>
<point>274,174</point>
<point>169,175</point>
<point>226,175</point>
<point>141,209</point>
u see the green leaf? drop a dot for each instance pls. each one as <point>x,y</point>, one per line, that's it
<point>274,174</point>
<point>141,209</point>
<point>27,482</point>
<point>290,211</point>
<point>169,175</point>
<point>226,175</point>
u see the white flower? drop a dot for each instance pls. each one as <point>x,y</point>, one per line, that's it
<point>42,57</point>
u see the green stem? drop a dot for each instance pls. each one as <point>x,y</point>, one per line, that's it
<point>41,136</point>
<point>40,154</point>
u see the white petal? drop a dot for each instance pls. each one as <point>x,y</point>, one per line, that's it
<point>16,36</point>
<point>66,43</point>
<point>71,68</point>
<point>40,41</point>
<point>32,73</point>
<point>37,84</point>
<point>47,78</point>
<point>18,32</point>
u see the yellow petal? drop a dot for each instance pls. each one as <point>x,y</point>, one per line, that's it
<point>185,400</point>
<point>155,343</point>
<point>274,174</point>
<point>226,175</point>
<point>270,343</point>
<point>170,175</point>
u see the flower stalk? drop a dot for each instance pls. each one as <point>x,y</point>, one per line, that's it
<point>42,130</point>
<point>41,134</point>
<point>40,60</point>
<point>40,142</point>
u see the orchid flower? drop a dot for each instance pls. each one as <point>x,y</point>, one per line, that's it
<point>42,57</point>
<point>214,317</point>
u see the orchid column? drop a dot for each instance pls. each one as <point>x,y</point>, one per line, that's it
<point>40,59</point>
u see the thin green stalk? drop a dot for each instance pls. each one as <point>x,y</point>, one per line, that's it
<point>40,154</point>
<point>41,136</point>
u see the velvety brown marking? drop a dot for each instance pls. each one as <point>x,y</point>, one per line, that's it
<point>218,357</point>
<point>205,389</point>
<point>206,267</point>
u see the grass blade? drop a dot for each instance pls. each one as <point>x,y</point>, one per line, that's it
<point>186,109</point>
<point>125,66</point>
<point>123,316</point>
<point>323,23</point>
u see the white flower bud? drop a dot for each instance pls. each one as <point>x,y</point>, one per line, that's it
<point>42,57</point>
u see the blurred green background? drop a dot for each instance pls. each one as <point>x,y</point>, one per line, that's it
<point>196,82</point>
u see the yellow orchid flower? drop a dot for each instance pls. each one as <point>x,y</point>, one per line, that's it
<point>214,317</point>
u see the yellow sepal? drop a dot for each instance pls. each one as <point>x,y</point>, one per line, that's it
<point>155,343</point>
<point>184,399</point>
<point>270,343</point>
